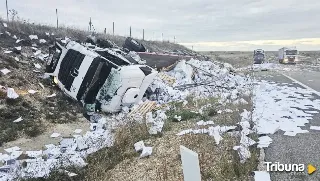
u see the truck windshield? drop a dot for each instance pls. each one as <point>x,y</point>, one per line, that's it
<point>291,52</point>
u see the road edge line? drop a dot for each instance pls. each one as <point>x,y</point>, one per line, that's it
<point>300,83</point>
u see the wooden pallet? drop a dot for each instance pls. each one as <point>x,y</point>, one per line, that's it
<point>170,67</point>
<point>143,108</point>
<point>170,80</point>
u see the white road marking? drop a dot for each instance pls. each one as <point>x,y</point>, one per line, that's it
<point>303,85</point>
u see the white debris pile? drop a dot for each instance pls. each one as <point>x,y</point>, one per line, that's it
<point>156,122</point>
<point>198,78</point>
<point>282,108</point>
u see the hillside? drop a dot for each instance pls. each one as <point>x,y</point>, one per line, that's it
<point>38,111</point>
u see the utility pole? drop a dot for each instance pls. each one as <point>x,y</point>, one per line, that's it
<point>142,34</point>
<point>162,37</point>
<point>130,31</point>
<point>105,30</point>
<point>57,18</point>
<point>113,28</point>
<point>90,23</point>
<point>174,39</point>
<point>7,10</point>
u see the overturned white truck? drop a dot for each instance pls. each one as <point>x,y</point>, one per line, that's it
<point>100,79</point>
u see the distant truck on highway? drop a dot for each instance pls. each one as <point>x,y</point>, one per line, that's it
<point>258,56</point>
<point>288,55</point>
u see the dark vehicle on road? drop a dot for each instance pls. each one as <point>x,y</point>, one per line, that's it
<point>258,56</point>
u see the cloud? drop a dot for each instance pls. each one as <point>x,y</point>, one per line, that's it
<point>187,20</point>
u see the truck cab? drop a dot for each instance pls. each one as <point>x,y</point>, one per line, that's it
<point>288,55</point>
<point>258,56</point>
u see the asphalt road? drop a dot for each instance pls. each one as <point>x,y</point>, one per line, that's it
<point>302,148</point>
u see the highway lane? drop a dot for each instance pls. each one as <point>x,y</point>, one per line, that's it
<point>302,148</point>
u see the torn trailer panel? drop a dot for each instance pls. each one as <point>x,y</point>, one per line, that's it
<point>109,80</point>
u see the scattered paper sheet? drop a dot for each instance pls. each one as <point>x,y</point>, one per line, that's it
<point>8,51</point>
<point>5,71</point>
<point>264,141</point>
<point>12,149</point>
<point>52,95</point>
<point>33,37</point>
<point>38,66</point>
<point>5,25</point>
<point>18,120</point>
<point>146,151</point>
<point>178,118</point>
<point>34,154</point>
<point>37,53</point>
<point>12,94</point>
<point>42,41</point>
<point>290,133</point>
<point>18,41</point>
<point>41,85</point>
<point>55,135</point>
<point>315,128</point>
<point>78,131</point>
<point>204,123</point>
<point>139,146</point>
<point>32,91</point>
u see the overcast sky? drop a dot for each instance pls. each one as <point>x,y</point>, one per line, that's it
<point>203,24</point>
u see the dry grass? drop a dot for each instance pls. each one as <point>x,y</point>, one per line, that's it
<point>217,162</point>
<point>106,159</point>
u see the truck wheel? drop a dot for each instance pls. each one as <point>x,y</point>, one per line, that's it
<point>133,45</point>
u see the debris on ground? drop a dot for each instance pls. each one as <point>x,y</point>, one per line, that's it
<point>33,37</point>
<point>5,71</point>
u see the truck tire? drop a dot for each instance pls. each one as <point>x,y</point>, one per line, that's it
<point>133,45</point>
<point>90,40</point>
